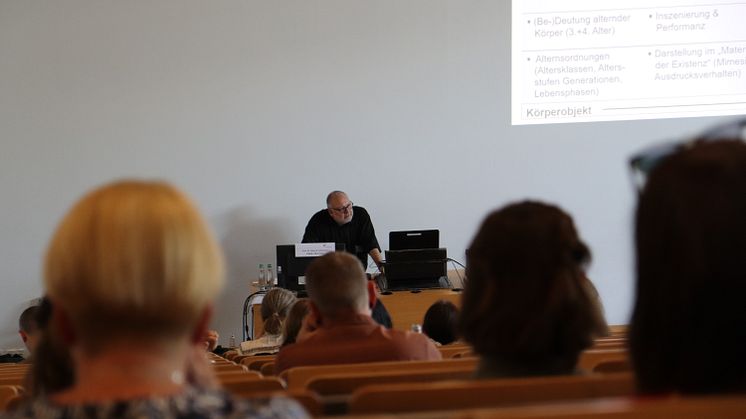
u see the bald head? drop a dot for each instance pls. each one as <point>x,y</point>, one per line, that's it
<point>336,284</point>
<point>334,196</point>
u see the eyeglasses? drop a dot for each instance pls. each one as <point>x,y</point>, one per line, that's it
<point>645,161</point>
<point>344,209</point>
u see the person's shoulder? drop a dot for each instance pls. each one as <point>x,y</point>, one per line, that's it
<point>360,213</point>
<point>289,356</point>
<point>417,343</point>
<point>320,216</point>
<point>229,407</point>
<point>198,403</point>
<point>293,349</point>
<point>193,403</point>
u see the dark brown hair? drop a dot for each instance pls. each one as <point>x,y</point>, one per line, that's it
<point>27,321</point>
<point>526,305</point>
<point>687,331</point>
<point>52,367</point>
<point>294,320</point>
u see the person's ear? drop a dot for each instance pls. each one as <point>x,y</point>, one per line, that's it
<point>371,294</point>
<point>24,336</point>
<point>315,314</point>
<point>202,325</point>
<point>61,321</point>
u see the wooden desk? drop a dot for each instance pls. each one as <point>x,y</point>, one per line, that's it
<point>407,308</point>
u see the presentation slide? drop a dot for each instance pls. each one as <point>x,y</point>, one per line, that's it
<point>579,61</point>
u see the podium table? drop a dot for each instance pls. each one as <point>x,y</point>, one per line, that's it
<point>407,307</point>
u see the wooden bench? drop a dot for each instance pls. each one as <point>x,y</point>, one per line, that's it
<point>247,387</point>
<point>715,407</point>
<point>448,351</point>
<point>592,357</point>
<point>8,393</point>
<point>255,362</point>
<point>347,383</point>
<point>411,397</point>
<point>299,377</point>
<point>268,369</point>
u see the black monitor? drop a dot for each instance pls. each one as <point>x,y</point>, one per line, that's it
<point>414,260</point>
<point>291,269</point>
<point>414,239</point>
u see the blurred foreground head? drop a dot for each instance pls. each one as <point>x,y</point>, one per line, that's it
<point>527,307</point>
<point>687,332</point>
<point>132,260</point>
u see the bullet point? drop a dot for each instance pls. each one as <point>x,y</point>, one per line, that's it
<point>650,53</point>
<point>528,59</point>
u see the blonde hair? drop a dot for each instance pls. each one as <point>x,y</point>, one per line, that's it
<point>275,307</point>
<point>133,258</point>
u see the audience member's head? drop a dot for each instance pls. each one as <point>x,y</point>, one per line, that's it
<point>275,307</point>
<point>526,309</point>
<point>131,272</point>
<point>687,331</point>
<point>294,321</point>
<point>337,286</point>
<point>52,367</point>
<point>339,327</point>
<point>440,323</point>
<point>133,262</point>
<point>28,327</point>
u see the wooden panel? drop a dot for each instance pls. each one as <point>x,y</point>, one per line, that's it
<point>407,308</point>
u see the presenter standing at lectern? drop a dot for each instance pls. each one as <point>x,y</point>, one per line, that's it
<point>342,222</point>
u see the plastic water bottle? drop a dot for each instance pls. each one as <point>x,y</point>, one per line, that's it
<point>232,342</point>
<point>271,280</point>
<point>262,277</point>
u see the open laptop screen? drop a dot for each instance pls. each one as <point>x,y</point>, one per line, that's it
<point>414,239</point>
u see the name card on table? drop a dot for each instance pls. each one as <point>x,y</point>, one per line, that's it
<point>312,250</point>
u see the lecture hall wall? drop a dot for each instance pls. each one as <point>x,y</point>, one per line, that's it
<point>257,109</point>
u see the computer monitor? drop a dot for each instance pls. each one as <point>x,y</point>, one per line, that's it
<point>291,269</point>
<point>414,239</point>
<point>415,260</point>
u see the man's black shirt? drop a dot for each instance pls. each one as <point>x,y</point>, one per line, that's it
<point>358,235</point>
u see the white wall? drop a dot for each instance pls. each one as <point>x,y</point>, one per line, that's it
<point>259,108</point>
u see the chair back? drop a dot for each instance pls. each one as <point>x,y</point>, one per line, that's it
<point>411,397</point>
<point>298,377</point>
